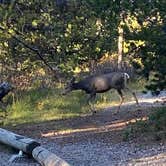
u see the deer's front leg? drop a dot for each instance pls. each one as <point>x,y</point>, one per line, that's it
<point>89,101</point>
<point>121,99</point>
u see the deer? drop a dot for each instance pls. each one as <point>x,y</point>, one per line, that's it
<point>100,84</point>
<point>5,88</point>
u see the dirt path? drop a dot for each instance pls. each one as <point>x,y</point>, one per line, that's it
<point>97,140</point>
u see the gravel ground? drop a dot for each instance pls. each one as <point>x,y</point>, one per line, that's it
<point>94,150</point>
<point>95,153</point>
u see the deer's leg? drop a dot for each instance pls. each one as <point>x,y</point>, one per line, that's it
<point>89,101</point>
<point>121,98</point>
<point>134,95</point>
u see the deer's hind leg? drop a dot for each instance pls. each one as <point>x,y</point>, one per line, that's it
<point>134,95</point>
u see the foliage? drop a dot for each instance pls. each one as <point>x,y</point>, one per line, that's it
<point>158,119</point>
<point>64,35</point>
<point>64,39</point>
<point>145,44</point>
<point>154,126</point>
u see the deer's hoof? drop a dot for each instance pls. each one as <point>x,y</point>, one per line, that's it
<point>138,106</point>
<point>94,112</point>
<point>116,112</point>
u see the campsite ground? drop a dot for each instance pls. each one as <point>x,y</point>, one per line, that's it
<point>96,140</point>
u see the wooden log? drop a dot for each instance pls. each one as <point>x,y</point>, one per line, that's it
<point>31,147</point>
<point>46,158</point>
<point>18,141</point>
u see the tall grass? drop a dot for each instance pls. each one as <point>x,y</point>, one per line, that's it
<point>42,105</point>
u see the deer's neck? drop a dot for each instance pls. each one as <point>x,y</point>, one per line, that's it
<point>77,86</point>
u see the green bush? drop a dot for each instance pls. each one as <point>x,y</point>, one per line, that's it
<point>158,119</point>
<point>155,126</point>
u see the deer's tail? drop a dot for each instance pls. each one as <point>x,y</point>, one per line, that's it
<point>126,77</point>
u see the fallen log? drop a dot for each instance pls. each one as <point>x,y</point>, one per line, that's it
<point>46,158</point>
<point>18,141</point>
<point>31,147</point>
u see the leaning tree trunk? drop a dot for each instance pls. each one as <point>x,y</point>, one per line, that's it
<point>120,47</point>
<point>120,40</point>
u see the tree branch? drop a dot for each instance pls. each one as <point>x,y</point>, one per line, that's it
<point>31,48</point>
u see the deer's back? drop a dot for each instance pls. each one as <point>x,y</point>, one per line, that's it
<point>103,83</point>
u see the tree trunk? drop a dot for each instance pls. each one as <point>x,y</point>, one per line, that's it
<point>120,47</point>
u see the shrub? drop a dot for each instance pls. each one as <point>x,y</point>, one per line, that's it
<point>155,126</point>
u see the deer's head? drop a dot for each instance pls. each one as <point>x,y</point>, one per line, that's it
<point>69,87</point>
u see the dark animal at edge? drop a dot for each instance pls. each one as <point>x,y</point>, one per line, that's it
<point>5,88</point>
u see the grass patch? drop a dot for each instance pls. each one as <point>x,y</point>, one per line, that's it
<point>154,126</point>
<point>42,105</point>
<point>38,105</point>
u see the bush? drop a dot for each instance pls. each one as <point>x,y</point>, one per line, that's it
<point>155,126</point>
<point>157,123</point>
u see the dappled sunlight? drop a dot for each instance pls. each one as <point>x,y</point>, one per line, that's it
<point>143,102</point>
<point>44,105</point>
<point>146,101</point>
<point>148,160</point>
<point>39,105</point>
<point>101,105</point>
<point>27,117</point>
<point>93,128</point>
<point>53,116</point>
